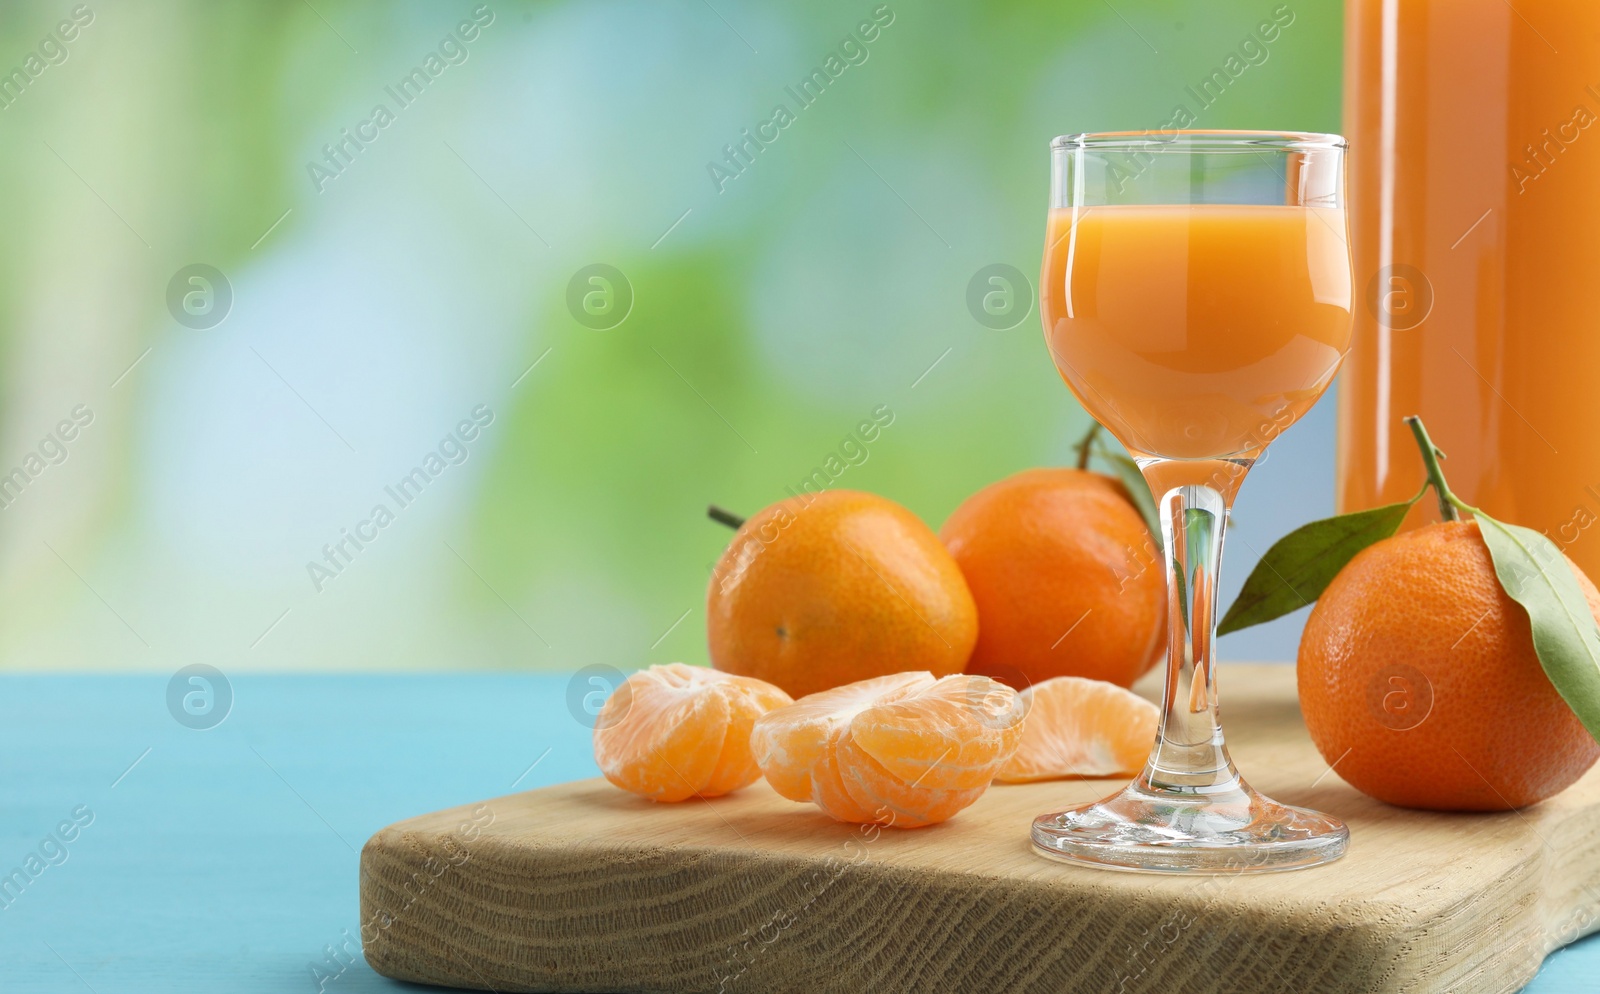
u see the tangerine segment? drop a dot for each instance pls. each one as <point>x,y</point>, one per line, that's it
<point>905,750</point>
<point>791,748</point>
<point>877,795</point>
<point>1078,727</point>
<point>677,731</point>
<point>945,735</point>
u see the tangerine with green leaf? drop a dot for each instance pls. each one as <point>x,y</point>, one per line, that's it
<point>1419,680</point>
<point>1441,667</point>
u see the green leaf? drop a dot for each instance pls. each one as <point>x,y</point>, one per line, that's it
<point>1300,565</point>
<point>1196,533</point>
<point>1127,471</point>
<point>1536,574</point>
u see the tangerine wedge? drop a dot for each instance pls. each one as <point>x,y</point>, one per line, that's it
<point>906,749</point>
<point>677,731</point>
<point>1079,727</point>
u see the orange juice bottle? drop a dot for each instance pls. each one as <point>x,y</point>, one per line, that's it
<point>1474,191</point>
<point>1197,331</point>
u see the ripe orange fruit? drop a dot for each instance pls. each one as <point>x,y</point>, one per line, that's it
<point>1081,728</point>
<point>906,750</point>
<point>1066,578</point>
<point>1420,685</point>
<point>822,590</point>
<point>677,731</point>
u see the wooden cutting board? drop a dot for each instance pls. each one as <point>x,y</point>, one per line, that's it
<point>583,887</point>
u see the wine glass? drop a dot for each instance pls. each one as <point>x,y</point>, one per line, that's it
<point>1196,299</point>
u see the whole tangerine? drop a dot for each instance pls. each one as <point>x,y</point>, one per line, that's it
<point>822,590</point>
<point>1067,579</point>
<point>1420,684</point>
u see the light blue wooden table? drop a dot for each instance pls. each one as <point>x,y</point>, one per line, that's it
<point>224,860</point>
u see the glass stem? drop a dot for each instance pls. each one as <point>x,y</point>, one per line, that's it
<point>1190,755</point>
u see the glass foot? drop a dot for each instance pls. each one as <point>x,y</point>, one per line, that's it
<point>1221,829</point>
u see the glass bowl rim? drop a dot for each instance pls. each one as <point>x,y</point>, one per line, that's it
<point>1194,141</point>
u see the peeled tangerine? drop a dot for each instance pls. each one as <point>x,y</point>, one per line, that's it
<point>678,731</point>
<point>905,750</point>
<point>1081,728</point>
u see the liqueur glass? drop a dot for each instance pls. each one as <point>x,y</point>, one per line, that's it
<point>1196,297</point>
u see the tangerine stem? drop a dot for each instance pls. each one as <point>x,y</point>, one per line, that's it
<point>1430,460</point>
<point>725,517</point>
<point>1085,442</point>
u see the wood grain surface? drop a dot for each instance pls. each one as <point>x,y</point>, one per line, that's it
<point>583,887</point>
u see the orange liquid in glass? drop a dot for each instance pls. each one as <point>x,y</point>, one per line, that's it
<point>1474,177</point>
<point>1197,332</point>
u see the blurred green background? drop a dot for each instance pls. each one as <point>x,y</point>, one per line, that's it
<point>375,306</point>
